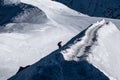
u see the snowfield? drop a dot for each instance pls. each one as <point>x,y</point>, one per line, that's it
<point>29,38</point>
<point>79,56</point>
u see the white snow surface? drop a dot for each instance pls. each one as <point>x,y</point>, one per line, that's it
<point>38,40</point>
<point>78,49</point>
<point>106,54</point>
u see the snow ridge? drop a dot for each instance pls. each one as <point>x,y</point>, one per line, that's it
<point>56,65</point>
<point>82,46</point>
<point>97,46</point>
<point>74,55</point>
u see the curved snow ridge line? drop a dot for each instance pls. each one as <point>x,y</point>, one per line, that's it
<point>103,54</point>
<point>79,49</point>
<point>52,8</point>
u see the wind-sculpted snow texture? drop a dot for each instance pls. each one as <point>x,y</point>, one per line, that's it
<point>96,45</point>
<point>66,63</point>
<point>82,45</point>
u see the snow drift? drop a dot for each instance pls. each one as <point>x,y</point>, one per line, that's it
<point>73,60</point>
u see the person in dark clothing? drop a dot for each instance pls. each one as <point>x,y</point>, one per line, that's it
<point>59,44</point>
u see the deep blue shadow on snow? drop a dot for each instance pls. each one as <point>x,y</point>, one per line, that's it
<point>69,70</point>
<point>55,67</point>
<point>50,69</point>
<point>98,8</point>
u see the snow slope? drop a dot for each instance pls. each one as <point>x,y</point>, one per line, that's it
<point>26,38</point>
<point>23,43</point>
<point>73,60</point>
<point>105,56</point>
<point>85,43</point>
<point>99,48</point>
<point>21,49</point>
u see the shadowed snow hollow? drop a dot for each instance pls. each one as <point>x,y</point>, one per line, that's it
<point>21,13</point>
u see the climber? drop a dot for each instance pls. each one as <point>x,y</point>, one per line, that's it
<point>59,44</point>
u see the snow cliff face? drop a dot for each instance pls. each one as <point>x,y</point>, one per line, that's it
<point>99,8</point>
<point>73,60</point>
